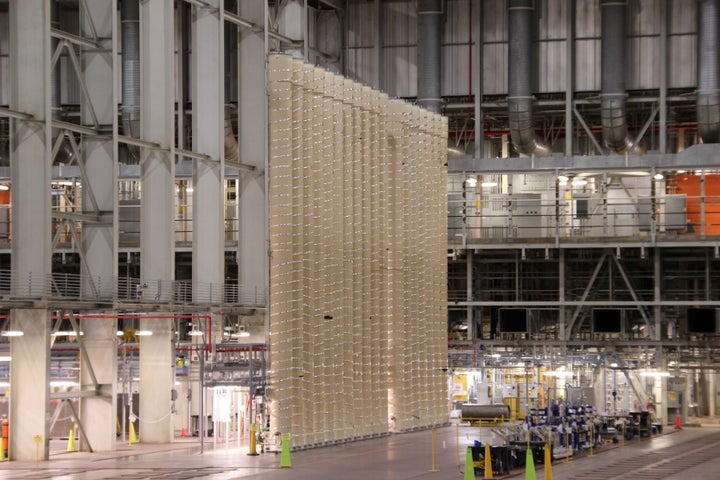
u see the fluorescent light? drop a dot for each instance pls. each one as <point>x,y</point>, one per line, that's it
<point>579,182</point>
<point>244,334</point>
<point>488,184</point>
<point>62,333</point>
<point>653,373</point>
<point>558,374</point>
<point>12,333</point>
<point>4,187</point>
<point>658,176</point>
<point>613,365</point>
<point>5,358</point>
<point>4,384</point>
<point>143,333</point>
<point>563,179</point>
<point>120,333</point>
<point>63,383</point>
<point>471,181</point>
<point>195,333</point>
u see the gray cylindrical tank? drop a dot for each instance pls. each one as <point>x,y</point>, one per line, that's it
<point>469,411</point>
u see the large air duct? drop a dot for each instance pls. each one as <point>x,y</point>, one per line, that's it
<point>130,17</point>
<point>708,93</point>
<point>428,56</point>
<point>520,17</point>
<point>613,112</point>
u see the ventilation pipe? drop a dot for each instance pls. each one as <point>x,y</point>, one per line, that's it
<point>130,17</point>
<point>708,94</point>
<point>520,17</point>
<point>428,58</point>
<point>613,96</point>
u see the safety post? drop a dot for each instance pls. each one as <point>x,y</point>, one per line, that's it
<point>469,466</point>
<point>488,462</point>
<point>253,441</point>
<point>133,436</point>
<point>71,440</point>
<point>432,451</point>
<point>592,436</point>
<point>285,454</point>
<point>548,461</point>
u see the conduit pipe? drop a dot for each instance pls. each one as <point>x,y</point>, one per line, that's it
<point>130,30</point>
<point>708,93</point>
<point>520,28</point>
<point>429,26</point>
<point>613,97</point>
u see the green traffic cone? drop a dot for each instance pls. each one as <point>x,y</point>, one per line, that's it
<point>469,468</point>
<point>529,466</point>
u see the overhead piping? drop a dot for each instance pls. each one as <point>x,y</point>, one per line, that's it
<point>613,97</point>
<point>429,24</point>
<point>520,16</point>
<point>708,93</point>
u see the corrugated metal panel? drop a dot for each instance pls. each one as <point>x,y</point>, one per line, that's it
<point>495,48</point>
<point>4,60</point>
<point>644,26</point>
<point>359,55</point>
<point>587,45</point>
<point>552,32</point>
<point>400,53</point>
<point>457,36</point>
<point>682,48</point>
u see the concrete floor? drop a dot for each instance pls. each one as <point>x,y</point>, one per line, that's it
<point>688,453</point>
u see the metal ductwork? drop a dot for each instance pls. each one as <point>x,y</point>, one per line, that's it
<point>428,58</point>
<point>613,112</point>
<point>130,30</point>
<point>708,93</point>
<point>520,28</point>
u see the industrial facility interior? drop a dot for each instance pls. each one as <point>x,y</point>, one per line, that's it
<point>235,221</point>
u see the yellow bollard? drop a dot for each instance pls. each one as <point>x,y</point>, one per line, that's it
<point>71,440</point>
<point>133,436</point>
<point>488,461</point>
<point>432,451</point>
<point>253,441</point>
<point>548,462</point>
<point>592,436</point>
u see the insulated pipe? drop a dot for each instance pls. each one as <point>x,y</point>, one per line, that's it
<point>130,67</point>
<point>428,57</point>
<point>520,17</point>
<point>613,96</point>
<point>708,93</point>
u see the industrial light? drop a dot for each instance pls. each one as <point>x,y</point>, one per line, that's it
<point>471,181</point>
<point>658,176</point>
<point>244,334</point>
<point>68,333</point>
<point>563,179</point>
<point>5,358</point>
<point>488,184</point>
<point>63,383</point>
<point>4,186</point>
<point>653,373</point>
<point>553,373</point>
<point>143,333</point>
<point>578,182</point>
<point>12,333</point>
<point>4,384</point>
<point>195,333</point>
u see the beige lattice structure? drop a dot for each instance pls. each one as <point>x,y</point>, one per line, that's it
<point>357,259</point>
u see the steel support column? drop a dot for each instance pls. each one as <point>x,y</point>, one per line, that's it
<point>157,65</point>
<point>251,132</point>
<point>208,138</point>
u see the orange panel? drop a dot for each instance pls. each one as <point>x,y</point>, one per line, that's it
<point>690,186</point>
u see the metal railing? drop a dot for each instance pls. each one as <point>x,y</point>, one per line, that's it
<point>15,286</point>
